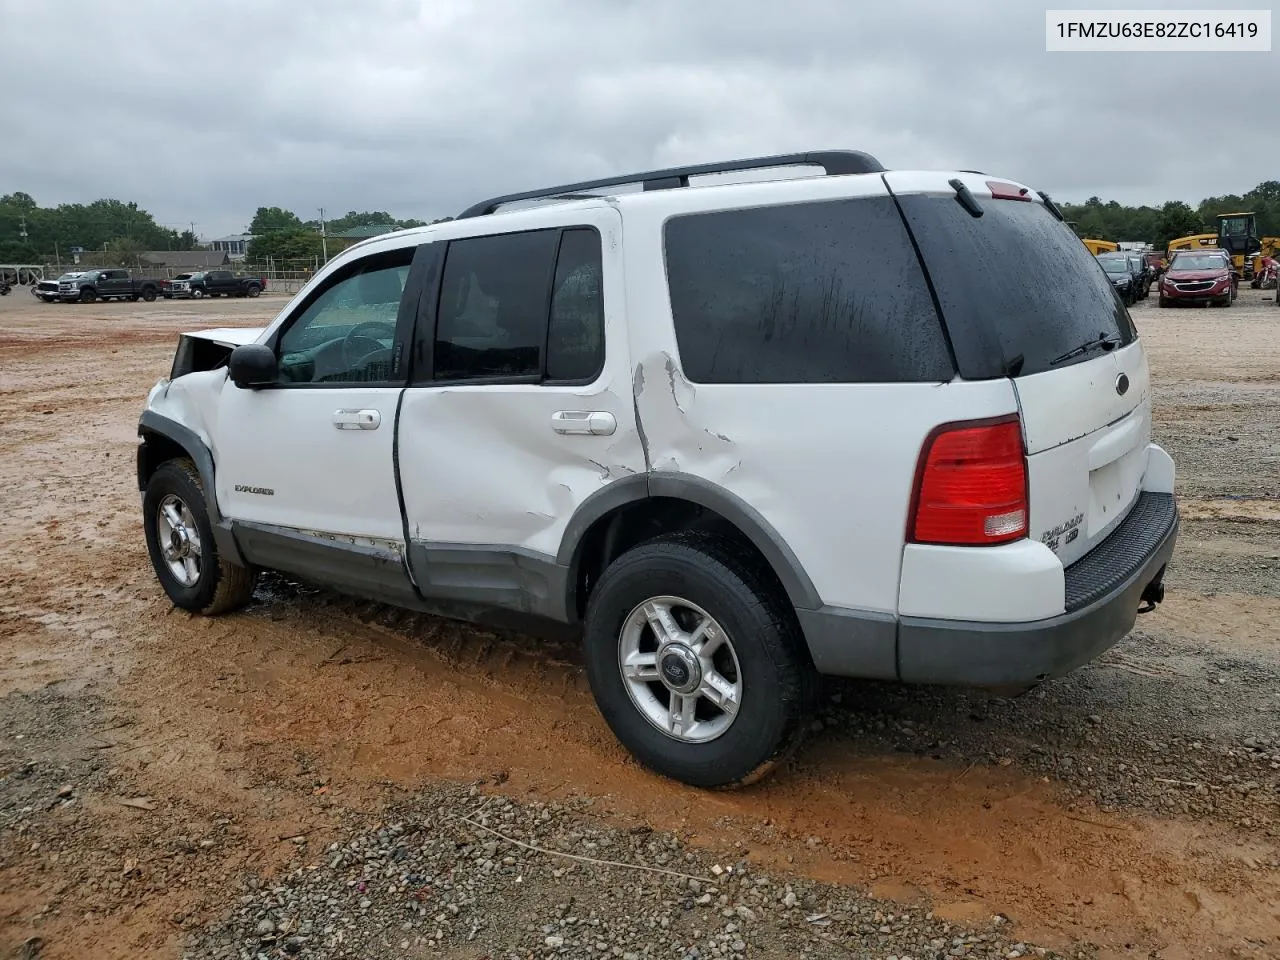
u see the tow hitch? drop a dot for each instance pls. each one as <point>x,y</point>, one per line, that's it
<point>1152,594</point>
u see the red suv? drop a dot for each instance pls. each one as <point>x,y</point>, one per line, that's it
<point>1199,276</point>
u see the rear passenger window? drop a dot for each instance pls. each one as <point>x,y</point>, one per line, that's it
<point>575,335</point>
<point>826,292</point>
<point>521,306</point>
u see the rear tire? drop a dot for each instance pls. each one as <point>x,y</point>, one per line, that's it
<point>148,295</point>
<point>253,290</point>
<point>181,545</point>
<point>758,652</point>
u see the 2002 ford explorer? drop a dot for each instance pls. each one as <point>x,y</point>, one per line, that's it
<point>739,434</point>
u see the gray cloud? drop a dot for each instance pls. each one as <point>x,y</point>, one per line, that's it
<point>204,112</point>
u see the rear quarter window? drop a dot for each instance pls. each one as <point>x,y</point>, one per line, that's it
<point>828,292</point>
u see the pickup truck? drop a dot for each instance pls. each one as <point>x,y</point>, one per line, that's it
<point>47,290</point>
<point>214,283</point>
<point>110,284</point>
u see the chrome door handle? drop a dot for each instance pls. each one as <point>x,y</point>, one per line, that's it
<point>357,419</point>
<point>600,423</point>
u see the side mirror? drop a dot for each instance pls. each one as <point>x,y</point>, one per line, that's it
<point>253,365</point>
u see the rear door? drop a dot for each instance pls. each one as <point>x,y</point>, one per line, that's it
<point>1021,297</point>
<point>114,283</point>
<point>517,412</point>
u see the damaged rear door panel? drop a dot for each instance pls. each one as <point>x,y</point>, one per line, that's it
<point>512,422</point>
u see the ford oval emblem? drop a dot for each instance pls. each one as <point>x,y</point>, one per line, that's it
<point>1122,384</point>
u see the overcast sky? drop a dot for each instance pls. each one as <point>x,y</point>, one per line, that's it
<point>203,112</point>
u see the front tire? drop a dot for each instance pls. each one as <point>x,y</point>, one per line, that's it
<point>197,293</point>
<point>181,545</point>
<point>88,296</point>
<point>696,661</point>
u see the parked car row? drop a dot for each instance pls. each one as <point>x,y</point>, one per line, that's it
<point>1129,273</point>
<point>1192,276</point>
<point>87,286</point>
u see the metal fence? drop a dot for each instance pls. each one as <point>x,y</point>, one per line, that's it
<point>282,276</point>
<point>23,273</point>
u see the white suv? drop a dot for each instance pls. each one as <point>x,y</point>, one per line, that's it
<point>868,423</point>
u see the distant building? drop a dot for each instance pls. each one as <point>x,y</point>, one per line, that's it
<point>236,246</point>
<point>356,234</point>
<point>185,259</point>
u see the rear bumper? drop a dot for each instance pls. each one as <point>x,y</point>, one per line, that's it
<point>1104,590</point>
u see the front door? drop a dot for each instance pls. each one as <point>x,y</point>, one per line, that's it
<point>114,283</point>
<point>306,468</point>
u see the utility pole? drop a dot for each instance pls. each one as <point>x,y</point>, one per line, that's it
<point>324,242</point>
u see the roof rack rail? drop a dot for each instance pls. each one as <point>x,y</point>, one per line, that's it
<point>833,162</point>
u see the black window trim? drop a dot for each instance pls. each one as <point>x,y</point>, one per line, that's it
<point>424,337</point>
<point>419,265</point>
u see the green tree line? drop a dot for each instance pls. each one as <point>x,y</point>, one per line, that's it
<point>126,229</point>
<point>1158,225</point>
<point>51,231</point>
<point>281,234</point>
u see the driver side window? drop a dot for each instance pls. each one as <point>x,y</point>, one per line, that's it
<point>346,334</point>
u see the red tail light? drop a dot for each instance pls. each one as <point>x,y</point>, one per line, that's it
<point>971,485</point>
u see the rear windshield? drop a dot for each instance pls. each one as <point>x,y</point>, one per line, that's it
<point>828,292</point>
<point>1017,288</point>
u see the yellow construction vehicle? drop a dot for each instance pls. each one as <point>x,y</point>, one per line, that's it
<point>1100,246</point>
<point>1238,235</point>
<point>1196,241</point>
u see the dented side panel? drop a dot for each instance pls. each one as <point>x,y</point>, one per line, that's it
<point>830,467</point>
<point>191,400</point>
<point>483,465</point>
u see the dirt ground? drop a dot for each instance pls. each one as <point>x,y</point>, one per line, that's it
<point>1131,810</point>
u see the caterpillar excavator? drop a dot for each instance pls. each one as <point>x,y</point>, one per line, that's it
<point>1195,241</point>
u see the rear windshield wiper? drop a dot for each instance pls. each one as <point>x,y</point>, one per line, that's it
<point>1107,341</point>
<point>1051,206</point>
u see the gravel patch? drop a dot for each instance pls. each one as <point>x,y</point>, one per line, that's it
<point>425,882</point>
